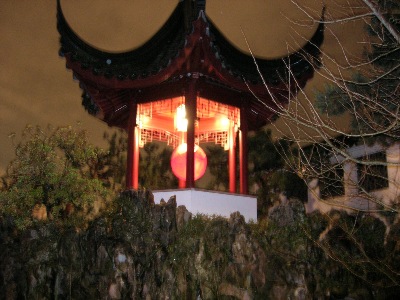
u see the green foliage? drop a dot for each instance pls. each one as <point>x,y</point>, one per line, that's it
<point>113,163</point>
<point>338,254</point>
<point>289,183</point>
<point>188,241</point>
<point>358,242</point>
<point>201,234</point>
<point>264,153</point>
<point>217,162</point>
<point>130,219</point>
<point>332,101</point>
<point>154,166</point>
<point>343,255</point>
<point>289,249</point>
<point>51,178</point>
<point>352,250</point>
<point>271,171</point>
<point>385,51</point>
<point>370,98</point>
<point>155,172</point>
<point>287,240</point>
<point>210,239</point>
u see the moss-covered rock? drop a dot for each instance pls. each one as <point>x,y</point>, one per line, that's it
<point>139,250</point>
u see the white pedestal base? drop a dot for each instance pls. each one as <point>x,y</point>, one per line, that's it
<point>211,202</point>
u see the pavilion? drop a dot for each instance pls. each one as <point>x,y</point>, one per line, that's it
<point>187,72</point>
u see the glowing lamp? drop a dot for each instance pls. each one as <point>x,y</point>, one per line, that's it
<point>178,162</point>
<point>180,118</point>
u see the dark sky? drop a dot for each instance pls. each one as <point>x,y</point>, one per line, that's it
<point>36,88</point>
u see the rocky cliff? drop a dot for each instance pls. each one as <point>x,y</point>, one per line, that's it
<point>138,250</point>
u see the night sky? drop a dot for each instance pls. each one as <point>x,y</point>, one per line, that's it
<point>37,89</point>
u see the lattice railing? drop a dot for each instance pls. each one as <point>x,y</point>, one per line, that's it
<point>216,137</point>
<point>150,135</point>
<point>173,140</point>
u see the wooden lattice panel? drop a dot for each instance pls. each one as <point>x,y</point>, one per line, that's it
<point>217,137</point>
<point>159,135</point>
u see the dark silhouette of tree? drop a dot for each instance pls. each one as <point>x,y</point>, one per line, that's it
<point>114,162</point>
<point>155,171</point>
<point>358,107</point>
<point>217,164</point>
<point>154,165</point>
<point>270,173</point>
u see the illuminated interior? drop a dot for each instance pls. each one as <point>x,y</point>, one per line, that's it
<point>158,121</point>
<point>166,121</point>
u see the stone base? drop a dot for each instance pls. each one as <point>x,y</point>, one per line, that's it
<point>211,202</point>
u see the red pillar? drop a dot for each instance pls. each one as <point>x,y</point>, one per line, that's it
<point>132,168</point>
<point>181,184</point>
<point>244,189</point>
<point>191,107</point>
<point>232,157</point>
<point>136,158</point>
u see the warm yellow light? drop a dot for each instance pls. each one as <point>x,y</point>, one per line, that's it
<point>180,118</point>
<point>224,123</point>
<point>142,120</point>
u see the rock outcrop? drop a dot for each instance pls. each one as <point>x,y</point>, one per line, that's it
<point>139,250</point>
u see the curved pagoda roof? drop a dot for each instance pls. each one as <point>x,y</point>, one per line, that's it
<point>187,45</point>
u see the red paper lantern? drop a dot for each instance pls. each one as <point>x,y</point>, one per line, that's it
<point>178,162</point>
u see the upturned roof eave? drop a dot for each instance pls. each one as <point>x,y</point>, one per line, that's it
<point>202,50</point>
<point>110,69</point>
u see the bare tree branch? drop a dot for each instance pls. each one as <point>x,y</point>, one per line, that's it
<point>376,11</point>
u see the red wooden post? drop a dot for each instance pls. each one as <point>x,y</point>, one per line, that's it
<point>181,184</point>
<point>191,108</point>
<point>244,189</point>
<point>232,157</point>
<point>132,168</point>
<point>136,158</point>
